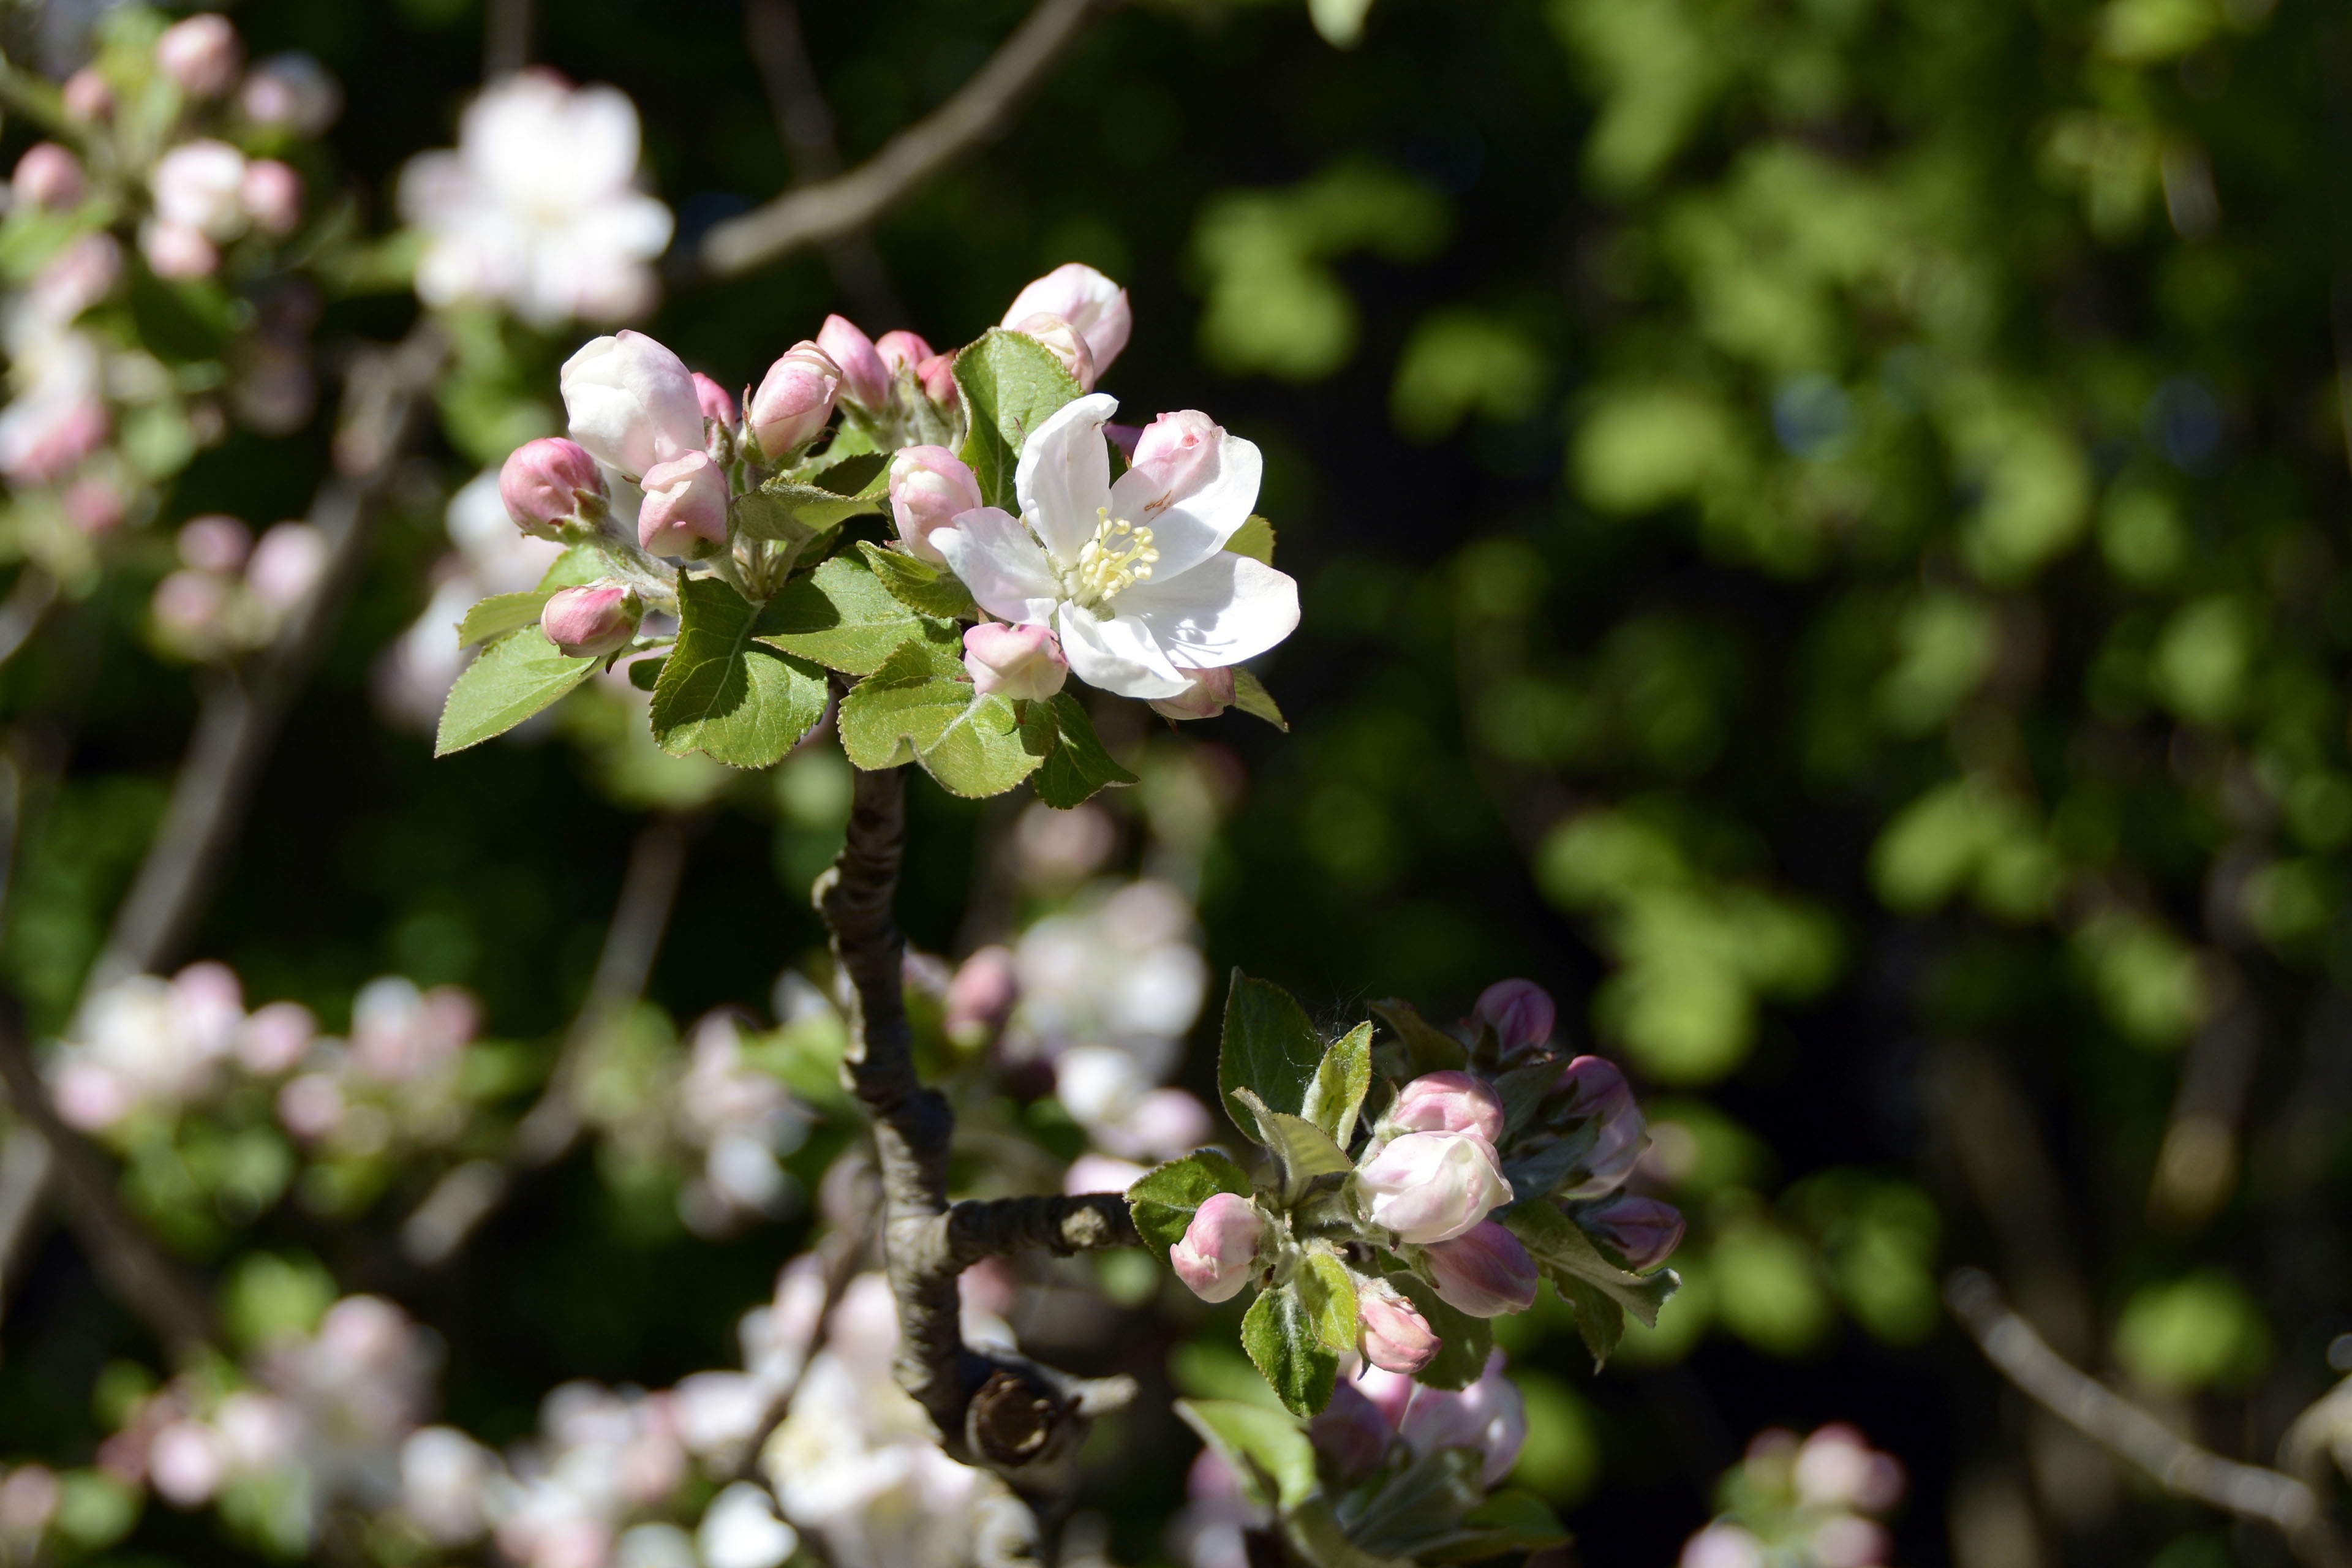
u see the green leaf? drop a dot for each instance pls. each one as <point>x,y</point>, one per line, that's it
<point>1303,1153</point>
<point>973,745</point>
<point>1424,1506</point>
<point>1327,1292</point>
<point>1279,1335</point>
<point>500,613</point>
<point>1252,698</point>
<point>645,673</point>
<point>1313,1532</point>
<point>726,694</point>
<point>1589,1282</point>
<point>1254,538</point>
<point>865,474</point>
<point>1464,1342</point>
<point>1522,1089</point>
<point>1337,1092</point>
<point>795,513</point>
<point>1275,1460</point>
<point>840,616</point>
<point>1599,1321</point>
<point>512,679</point>
<point>1013,385</point>
<point>926,589</point>
<point>1509,1521</point>
<point>1429,1047</point>
<point>1269,1046</point>
<point>1077,765</point>
<point>579,566</point>
<point>1164,1200</point>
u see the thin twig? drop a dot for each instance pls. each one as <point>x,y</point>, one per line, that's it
<point>2180,1467</point>
<point>847,203</point>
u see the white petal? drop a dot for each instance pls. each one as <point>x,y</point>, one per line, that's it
<point>1187,530</point>
<point>1116,655</point>
<point>1063,476</point>
<point>1007,574</point>
<point>1224,610</point>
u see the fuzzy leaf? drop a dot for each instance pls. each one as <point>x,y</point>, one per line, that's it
<point>500,613</point>
<point>1270,1047</point>
<point>1313,1532</point>
<point>1578,1272</point>
<point>1428,1048</point>
<point>1279,1335</point>
<point>1522,1089</point>
<point>1254,538</point>
<point>579,566</point>
<point>1274,1459</point>
<point>1328,1294</point>
<point>1252,698</point>
<point>1164,1200</point>
<point>1077,766</point>
<point>1424,1506</point>
<point>795,513</point>
<point>1464,1342</point>
<point>1509,1521</point>
<point>973,745</point>
<point>1303,1153</point>
<point>726,694</point>
<point>512,679</point>
<point>840,616</point>
<point>1012,385</point>
<point>1337,1092</point>
<point>926,589</point>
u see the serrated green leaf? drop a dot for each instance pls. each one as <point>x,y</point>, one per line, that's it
<point>1337,1093</point>
<point>1252,698</point>
<point>645,673</point>
<point>1076,766</point>
<point>1463,1342</point>
<point>1274,1459</point>
<point>1013,385</point>
<point>1164,1199</point>
<point>1269,1046</point>
<point>973,745</point>
<point>1280,1338</point>
<point>726,694</point>
<point>1429,1047</point>
<point>1303,1153</point>
<point>1328,1295</point>
<point>1562,1250</point>
<point>1254,538</point>
<point>926,589</point>
<point>793,513</point>
<point>579,566</point>
<point>1424,1506</point>
<point>500,613</point>
<point>1600,1322</point>
<point>1522,1089</point>
<point>509,681</point>
<point>840,616</point>
<point>865,474</point>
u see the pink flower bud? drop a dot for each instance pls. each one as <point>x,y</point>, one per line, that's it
<point>1488,1417</point>
<point>1722,1545</point>
<point>178,250</point>
<point>632,403</point>
<point>1179,453</point>
<point>1164,1123</point>
<point>94,505</point>
<point>685,502</point>
<point>1022,664</point>
<point>1432,1186</point>
<point>1837,1467</point>
<point>1351,1431</point>
<point>1594,1086</point>
<point>89,97</point>
<point>550,483</point>
<point>1211,693</point>
<point>48,176</point>
<point>902,351</point>
<point>1064,343</point>
<point>189,605</point>
<point>1485,1272</point>
<point>1597,1091</point>
<point>929,489</point>
<point>1447,1102</point>
<point>277,1038</point>
<point>794,400</point>
<point>1520,1012</point>
<point>715,404</point>
<point>202,54</point>
<point>187,1464</point>
<point>1090,302</point>
<point>292,90</point>
<point>215,542</point>
<point>982,996</point>
<point>287,563</point>
<point>864,380</point>
<point>938,375</point>
<point>271,196</point>
<point>591,622</point>
<point>201,184</point>
<point>29,1500</point>
<point>1642,1231</point>
<point>1394,1335</point>
<point>1219,1246</point>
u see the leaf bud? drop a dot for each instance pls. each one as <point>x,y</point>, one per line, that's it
<point>1642,1231</point>
<point>1447,1102</point>
<point>1020,663</point>
<point>552,485</point>
<point>49,177</point>
<point>1219,1248</point>
<point>1064,343</point>
<point>794,400</point>
<point>1432,1186</point>
<point>1393,1334</point>
<point>1520,1012</point>
<point>1484,1272</point>
<point>864,380</point>
<point>592,621</point>
<point>929,488</point>
<point>1211,693</point>
<point>201,54</point>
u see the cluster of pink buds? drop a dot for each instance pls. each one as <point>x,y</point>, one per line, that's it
<point>1810,1503</point>
<point>233,593</point>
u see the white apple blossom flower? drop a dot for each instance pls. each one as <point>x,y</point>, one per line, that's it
<point>537,207</point>
<point>1134,576</point>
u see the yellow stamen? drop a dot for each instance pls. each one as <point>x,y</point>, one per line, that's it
<point>1117,557</point>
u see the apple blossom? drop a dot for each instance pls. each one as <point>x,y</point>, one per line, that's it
<point>1024,664</point>
<point>1485,1271</point>
<point>94,505</point>
<point>198,184</point>
<point>1092,304</point>
<point>73,279</point>
<point>1133,577</point>
<point>592,621</point>
<point>1642,1231</point>
<point>902,351</point>
<point>685,505</point>
<point>58,416</point>
<point>1432,1186</point>
<point>201,54</point>
<point>29,1500</point>
<point>864,380</point>
<point>931,487</point>
<point>287,563</point>
<point>1520,1012</point>
<point>632,403</point>
<point>271,195</point>
<point>293,90</point>
<point>1210,694</point>
<point>88,97</point>
<point>1447,1102</point>
<point>548,483</point>
<point>1219,1248</point>
<point>48,176</point>
<point>982,995</point>
<point>1488,1417</point>
<point>794,400</point>
<point>1837,1467</point>
<point>188,606</point>
<point>1064,343</point>
<point>178,250</point>
<point>214,542</point>
<point>1393,1334</point>
<point>1722,1545</point>
<point>276,1038</point>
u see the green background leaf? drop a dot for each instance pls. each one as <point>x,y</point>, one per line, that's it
<point>509,681</point>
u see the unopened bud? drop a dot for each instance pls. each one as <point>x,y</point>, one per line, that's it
<point>929,489</point>
<point>1642,1231</point>
<point>49,177</point>
<point>1093,305</point>
<point>716,405</point>
<point>592,621</point>
<point>1520,1012</point>
<point>1432,1186</point>
<point>1485,1272</point>
<point>552,485</point>
<point>89,97</point>
<point>1351,1431</point>
<point>215,542</point>
<point>291,91</point>
<point>1218,1249</point>
<point>686,505</point>
<point>1395,1337</point>
<point>902,350</point>
<point>1178,454</point>
<point>178,250</point>
<point>1022,664</point>
<point>794,400</point>
<point>1064,343</point>
<point>1597,1091</point>
<point>938,375</point>
<point>201,184</point>
<point>1211,693</point>
<point>1490,1416</point>
<point>271,196</point>
<point>864,380</point>
<point>201,54</point>
<point>1447,1102</point>
<point>981,996</point>
<point>287,563</point>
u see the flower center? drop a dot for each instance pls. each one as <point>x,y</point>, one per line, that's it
<point>1117,557</point>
